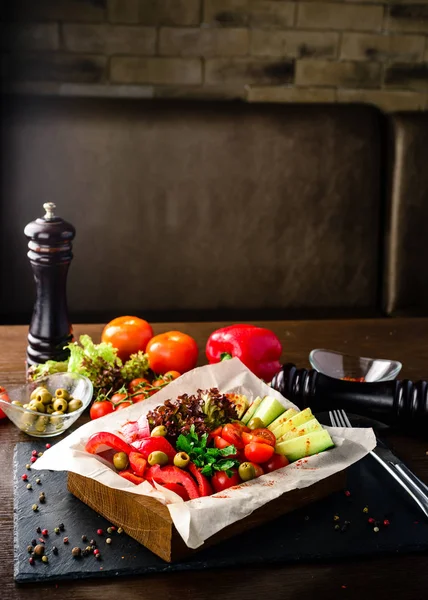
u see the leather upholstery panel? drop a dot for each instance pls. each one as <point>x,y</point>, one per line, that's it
<point>406,273</point>
<point>197,206</point>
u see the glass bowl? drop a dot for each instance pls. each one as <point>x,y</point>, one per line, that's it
<point>38,424</point>
<point>359,368</point>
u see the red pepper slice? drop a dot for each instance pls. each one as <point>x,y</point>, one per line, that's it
<point>258,348</point>
<point>138,463</point>
<point>105,438</point>
<point>131,477</point>
<point>204,486</point>
<point>178,489</point>
<point>170,474</point>
<point>152,444</point>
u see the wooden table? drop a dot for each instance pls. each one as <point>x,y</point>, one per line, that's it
<point>401,577</point>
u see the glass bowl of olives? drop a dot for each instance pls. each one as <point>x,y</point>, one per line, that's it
<point>48,406</point>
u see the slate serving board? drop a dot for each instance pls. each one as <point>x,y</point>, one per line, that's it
<point>304,535</point>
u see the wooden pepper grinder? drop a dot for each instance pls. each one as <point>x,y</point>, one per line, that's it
<point>50,255</point>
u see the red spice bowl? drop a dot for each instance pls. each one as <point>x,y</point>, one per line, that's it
<point>353,368</point>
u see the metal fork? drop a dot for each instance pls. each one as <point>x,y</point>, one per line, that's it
<point>408,480</point>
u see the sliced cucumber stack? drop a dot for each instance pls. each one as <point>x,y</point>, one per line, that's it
<point>295,421</point>
<point>306,445</point>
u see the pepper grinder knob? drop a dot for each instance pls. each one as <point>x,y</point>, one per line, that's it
<point>50,254</point>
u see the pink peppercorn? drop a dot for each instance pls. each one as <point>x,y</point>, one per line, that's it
<point>371,520</point>
<point>24,477</point>
<point>96,551</point>
<point>45,532</point>
<point>347,493</point>
<point>33,459</point>
<point>386,522</point>
<point>31,560</point>
<point>99,531</point>
<point>47,446</point>
<point>34,453</point>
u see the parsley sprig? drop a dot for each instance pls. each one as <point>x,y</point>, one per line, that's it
<point>207,459</point>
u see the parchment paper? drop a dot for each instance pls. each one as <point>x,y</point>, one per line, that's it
<point>196,520</point>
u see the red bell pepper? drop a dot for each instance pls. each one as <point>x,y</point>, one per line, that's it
<point>258,348</point>
<point>138,463</point>
<point>170,474</point>
<point>178,489</point>
<point>105,438</point>
<point>131,477</point>
<point>204,486</point>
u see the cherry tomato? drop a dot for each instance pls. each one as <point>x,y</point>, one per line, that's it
<point>3,396</point>
<point>128,335</point>
<point>232,434</point>
<point>158,383</point>
<point>138,384</point>
<point>172,351</point>
<point>258,469</point>
<point>264,436</point>
<point>100,409</point>
<point>122,405</point>
<point>139,398</point>
<point>276,462</point>
<point>241,426</point>
<point>172,375</point>
<point>258,453</point>
<point>220,480</point>
<point>116,398</point>
<point>215,432</point>
<point>220,443</point>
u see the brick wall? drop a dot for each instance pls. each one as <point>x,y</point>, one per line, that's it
<point>373,51</point>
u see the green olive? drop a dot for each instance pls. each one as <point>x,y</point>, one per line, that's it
<point>120,460</point>
<point>44,396</point>
<point>62,393</point>
<point>74,405</point>
<point>49,409</point>
<point>56,417</point>
<point>255,423</point>
<point>158,458</point>
<point>25,406</point>
<point>246,471</point>
<point>60,404</point>
<point>37,406</point>
<point>37,391</point>
<point>181,460</point>
<point>27,421</point>
<point>159,431</point>
<point>41,423</point>
<point>17,403</point>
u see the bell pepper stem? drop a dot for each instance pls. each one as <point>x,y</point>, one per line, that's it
<point>225,356</point>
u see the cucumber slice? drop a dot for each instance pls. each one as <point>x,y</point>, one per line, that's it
<point>282,418</point>
<point>269,410</point>
<point>307,445</point>
<point>308,427</point>
<point>299,419</point>
<point>251,410</point>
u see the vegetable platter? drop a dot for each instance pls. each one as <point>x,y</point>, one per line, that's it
<point>162,520</point>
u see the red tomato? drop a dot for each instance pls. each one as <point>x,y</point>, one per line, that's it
<point>264,436</point>
<point>128,335</point>
<point>100,409</point>
<point>276,462</point>
<point>258,453</point>
<point>138,385</point>
<point>122,405</point>
<point>172,351</point>
<point>241,426</point>
<point>3,396</point>
<point>258,469</point>
<point>221,443</point>
<point>217,431</point>
<point>232,434</point>
<point>172,375</point>
<point>220,480</point>
<point>139,398</point>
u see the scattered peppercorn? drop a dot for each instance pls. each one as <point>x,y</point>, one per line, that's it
<point>371,520</point>
<point>41,540</point>
<point>65,540</point>
<point>84,538</point>
<point>76,552</point>
<point>38,481</point>
<point>42,498</point>
<point>33,452</point>
<point>24,477</point>
<point>39,530</point>
<point>347,493</point>
<point>47,446</point>
<point>45,559</point>
<point>85,552</point>
<point>45,532</point>
<point>33,459</point>
<point>336,518</point>
<point>337,527</point>
<point>61,526</point>
<point>89,549</point>
<point>56,530</point>
<point>96,552</point>
<point>113,528</point>
<point>366,509</point>
<point>29,486</point>
<point>100,532</point>
<point>98,556</point>
<point>376,529</point>
<point>40,454</point>
<point>120,530</point>
<point>39,550</point>
<point>386,522</point>
<point>35,507</point>
<point>29,548</point>
<point>33,542</point>
<point>109,529</point>
<point>28,466</point>
<point>93,543</point>
<point>54,549</point>
<point>108,541</point>
<point>31,560</point>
